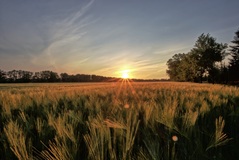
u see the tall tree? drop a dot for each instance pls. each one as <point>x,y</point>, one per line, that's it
<point>65,77</point>
<point>2,76</point>
<point>49,76</point>
<point>207,52</point>
<point>12,76</point>
<point>183,67</point>
<point>190,68</point>
<point>36,77</point>
<point>26,76</point>
<point>234,60</point>
<point>174,71</point>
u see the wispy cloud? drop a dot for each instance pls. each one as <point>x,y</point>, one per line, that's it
<point>64,38</point>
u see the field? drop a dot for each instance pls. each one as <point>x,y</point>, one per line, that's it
<point>123,121</point>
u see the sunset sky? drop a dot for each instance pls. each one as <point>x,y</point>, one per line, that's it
<point>105,37</point>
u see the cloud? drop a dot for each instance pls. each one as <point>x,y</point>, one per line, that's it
<point>64,38</point>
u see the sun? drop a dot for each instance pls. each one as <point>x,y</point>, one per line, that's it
<point>125,74</point>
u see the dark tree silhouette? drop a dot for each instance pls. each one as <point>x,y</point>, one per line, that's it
<point>3,77</point>
<point>234,60</point>
<point>20,76</point>
<point>12,76</point>
<point>24,76</point>
<point>207,52</point>
<point>65,77</point>
<point>49,76</point>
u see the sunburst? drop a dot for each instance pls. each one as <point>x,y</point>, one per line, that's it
<point>125,74</point>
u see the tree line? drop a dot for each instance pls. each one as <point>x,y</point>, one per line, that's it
<point>204,62</point>
<point>21,76</point>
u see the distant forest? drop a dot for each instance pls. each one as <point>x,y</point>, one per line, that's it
<point>21,76</point>
<point>204,62</point>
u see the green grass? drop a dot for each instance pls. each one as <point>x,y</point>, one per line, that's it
<point>123,120</point>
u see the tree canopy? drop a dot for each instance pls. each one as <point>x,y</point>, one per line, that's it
<point>199,63</point>
<point>234,60</point>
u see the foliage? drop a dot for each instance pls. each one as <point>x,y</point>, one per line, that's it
<point>183,67</point>
<point>200,61</point>
<point>208,52</point>
<point>21,76</point>
<point>234,60</point>
<point>123,120</point>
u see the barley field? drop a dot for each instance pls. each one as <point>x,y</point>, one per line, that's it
<point>119,121</point>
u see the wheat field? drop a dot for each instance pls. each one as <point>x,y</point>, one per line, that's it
<point>119,120</point>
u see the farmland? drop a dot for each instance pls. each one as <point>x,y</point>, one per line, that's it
<point>122,120</point>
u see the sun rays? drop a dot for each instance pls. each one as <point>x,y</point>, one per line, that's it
<point>125,88</point>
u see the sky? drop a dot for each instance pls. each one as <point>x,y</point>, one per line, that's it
<point>108,37</point>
